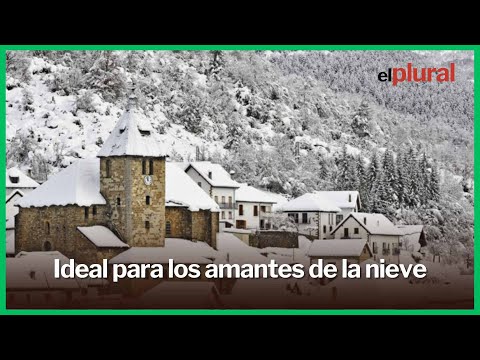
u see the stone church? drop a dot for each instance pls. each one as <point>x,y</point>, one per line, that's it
<point>128,196</point>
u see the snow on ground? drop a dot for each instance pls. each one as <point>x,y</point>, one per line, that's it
<point>237,252</point>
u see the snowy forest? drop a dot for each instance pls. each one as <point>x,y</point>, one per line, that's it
<point>287,121</point>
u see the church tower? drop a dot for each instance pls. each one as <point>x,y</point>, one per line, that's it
<point>132,179</point>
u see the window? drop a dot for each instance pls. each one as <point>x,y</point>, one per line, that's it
<point>216,199</point>
<point>108,165</point>
<point>296,218</point>
<point>375,250</point>
<point>230,201</point>
<point>48,228</point>
<point>209,174</point>
<point>151,167</point>
<point>144,167</point>
<point>147,200</point>
<point>304,218</point>
<point>355,230</point>
<point>199,183</point>
<point>263,209</point>
<point>240,209</point>
<point>118,201</point>
<point>47,246</point>
<point>324,229</point>
<point>345,233</point>
<point>230,215</point>
<point>147,225</point>
<point>14,179</point>
<point>339,219</point>
<point>86,213</point>
<point>330,229</point>
<point>223,199</point>
<point>349,197</point>
<point>168,228</point>
<point>94,210</point>
<point>255,210</point>
<point>223,215</point>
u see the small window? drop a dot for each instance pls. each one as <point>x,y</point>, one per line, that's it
<point>223,200</point>
<point>144,132</point>
<point>86,213</point>
<point>349,197</point>
<point>355,230</point>
<point>168,228</point>
<point>48,228</point>
<point>118,201</point>
<point>144,167</point>
<point>209,174</point>
<point>147,225</point>
<point>14,179</point>
<point>108,165</point>
<point>304,218</point>
<point>230,201</point>
<point>330,229</point>
<point>151,167</point>
<point>230,215</point>
<point>240,209</point>
<point>339,219</point>
<point>94,210</point>
<point>199,183</point>
<point>263,209</point>
<point>223,214</point>
<point>324,228</point>
<point>47,246</point>
<point>216,199</point>
<point>255,210</point>
<point>147,200</point>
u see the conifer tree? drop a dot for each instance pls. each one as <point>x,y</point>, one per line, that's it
<point>389,177</point>
<point>434,186</point>
<point>344,176</point>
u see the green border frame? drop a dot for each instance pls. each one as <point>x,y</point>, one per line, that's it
<point>4,311</point>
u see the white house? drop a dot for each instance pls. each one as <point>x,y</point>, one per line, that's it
<point>218,184</point>
<point>347,201</point>
<point>314,214</point>
<point>413,237</point>
<point>381,235</point>
<point>17,180</point>
<point>253,208</point>
<point>333,251</point>
<point>10,211</point>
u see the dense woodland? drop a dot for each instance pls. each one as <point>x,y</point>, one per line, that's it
<point>289,122</point>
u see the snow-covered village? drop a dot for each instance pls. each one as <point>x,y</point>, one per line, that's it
<point>230,157</point>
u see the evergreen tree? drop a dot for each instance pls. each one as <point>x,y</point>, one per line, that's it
<point>389,177</point>
<point>362,181</point>
<point>424,178</point>
<point>401,186</point>
<point>414,180</point>
<point>344,172</point>
<point>434,186</point>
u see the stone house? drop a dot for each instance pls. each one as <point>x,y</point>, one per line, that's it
<point>379,232</point>
<point>126,197</point>
<point>218,184</point>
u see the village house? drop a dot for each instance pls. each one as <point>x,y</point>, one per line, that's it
<point>218,184</point>
<point>379,232</point>
<point>17,180</point>
<point>253,208</point>
<point>333,251</point>
<point>412,238</point>
<point>347,201</point>
<point>126,197</point>
<point>313,214</point>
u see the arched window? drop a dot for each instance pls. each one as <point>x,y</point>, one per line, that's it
<point>151,167</point>
<point>48,228</point>
<point>147,200</point>
<point>108,165</point>
<point>118,201</point>
<point>144,167</point>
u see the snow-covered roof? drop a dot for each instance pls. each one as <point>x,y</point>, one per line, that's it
<point>14,194</point>
<point>181,190</point>
<point>219,176</point>
<point>336,247</point>
<point>411,236</point>
<point>23,180</point>
<point>248,193</point>
<point>239,252</point>
<point>35,270</point>
<point>410,229</point>
<point>310,202</point>
<point>341,198</point>
<point>133,135</point>
<point>101,236</point>
<point>10,242</point>
<point>375,224</point>
<point>180,250</point>
<point>78,184</point>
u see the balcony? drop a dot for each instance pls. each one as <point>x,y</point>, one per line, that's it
<point>228,206</point>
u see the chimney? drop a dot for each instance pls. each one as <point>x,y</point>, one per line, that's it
<point>365,220</point>
<point>209,174</point>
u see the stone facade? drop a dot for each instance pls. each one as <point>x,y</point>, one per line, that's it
<point>126,194</point>
<point>199,225</point>
<point>55,228</point>
<point>263,239</point>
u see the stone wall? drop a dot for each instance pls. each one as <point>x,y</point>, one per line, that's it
<point>180,219</point>
<point>55,228</point>
<point>126,183</point>
<point>283,239</point>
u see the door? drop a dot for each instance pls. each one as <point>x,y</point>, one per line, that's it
<point>345,233</point>
<point>241,224</point>
<point>262,224</point>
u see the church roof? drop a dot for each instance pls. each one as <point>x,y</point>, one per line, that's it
<point>78,184</point>
<point>101,236</point>
<point>133,135</point>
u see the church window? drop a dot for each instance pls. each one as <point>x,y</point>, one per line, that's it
<point>168,228</point>
<point>151,167</point>
<point>94,210</point>
<point>144,167</point>
<point>108,166</point>
<point>118,201</point>
<point>147,225</point>
<point>86,213</point>
<point>147,200</point>
<point>48,228</point>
